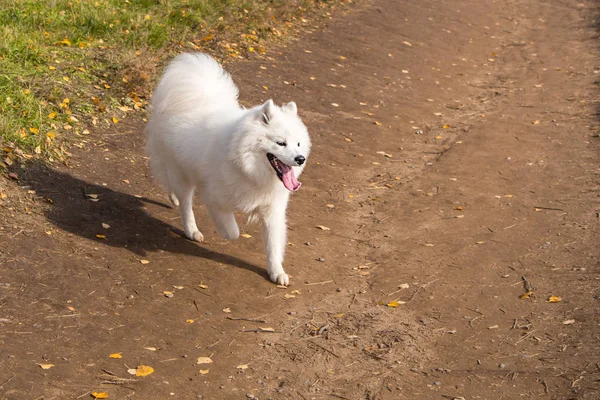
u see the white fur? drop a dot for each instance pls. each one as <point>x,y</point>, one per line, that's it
<point>200,139</point>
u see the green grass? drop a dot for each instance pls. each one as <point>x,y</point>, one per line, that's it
<point>67,66</point>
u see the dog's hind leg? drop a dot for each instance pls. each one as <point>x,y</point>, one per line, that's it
<point>225,222</point>
<point>184,192</point>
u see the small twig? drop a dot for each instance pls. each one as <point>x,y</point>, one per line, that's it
<point>262,321</point>
<point>548,208</point>
<point>317,283</point>
<point>259,331</point>
<point>526,285</point>
<point>200,291</point>
<point>339,396</point>
<point>546,390</point>
<point>525,337</point>
<point>6,381</point>
<point>324,348</point>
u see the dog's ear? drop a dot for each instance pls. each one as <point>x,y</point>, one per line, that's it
<point>291,108</point>
<point>267,111</point>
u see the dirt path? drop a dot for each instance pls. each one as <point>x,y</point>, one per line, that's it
<point>455,162</point>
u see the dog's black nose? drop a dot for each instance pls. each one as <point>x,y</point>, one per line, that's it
<point>300,159</point>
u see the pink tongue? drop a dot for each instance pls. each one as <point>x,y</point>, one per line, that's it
<point>289,179</point>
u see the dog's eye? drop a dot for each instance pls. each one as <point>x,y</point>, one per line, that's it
<point>298,144</point>
<point>282,144</point>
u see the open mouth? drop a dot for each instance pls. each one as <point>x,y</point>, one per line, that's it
<point>285,173</point>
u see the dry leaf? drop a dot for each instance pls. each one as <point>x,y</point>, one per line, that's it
<point>100,236</point>
<point>246,235</point>
<point>554,299</point>
<point>536,122</point>
<point>100,395</point>
<point>203,371</point>
<point>395,303</point>
<point>115,120</point>
<point>407,43</point>
<point>144,370</point>
<point>335,104</point>
<point>46,366</point>
<point>323,228</point>
<point>569,322</point>
<point>204,360</point>
<point>105,226</point>
<point>526,295</point>
<point>227,310</point>
<point>377,123</point>
<point>242,366</point>
<point>428,244</point>
<point>203,286</point>
<point>437,114</point>
<point>189,321</point>
<point>131,371</point>
<point>150,348</point>
<point>289,296</point>
<point>168,293</point>
<point>403,286</point>
<point>144,262</point>
<point>115,355</point>
<point>438,137</point>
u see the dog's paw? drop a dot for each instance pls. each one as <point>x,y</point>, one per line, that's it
<point>196,236</point>
<point>174,199</point>
<point>280,278</point>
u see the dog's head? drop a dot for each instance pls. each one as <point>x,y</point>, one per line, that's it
<point>278,141</point>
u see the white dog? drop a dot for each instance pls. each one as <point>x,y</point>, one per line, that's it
<point>199,138</point>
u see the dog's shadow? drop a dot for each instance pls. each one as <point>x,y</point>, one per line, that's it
<point>81,208</point>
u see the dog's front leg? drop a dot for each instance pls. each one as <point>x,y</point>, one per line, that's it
<point>274,236</point>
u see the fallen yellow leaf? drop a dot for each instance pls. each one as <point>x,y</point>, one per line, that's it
<point>246,235</point>
<point>395,303</point>
<point>203,371</point>
<point>554,299</point>
<point>115,355</point>
<point>526,295</point>
<point>145,262</point>
<point>323,228</point>
<point>203,286</point>
<point>100,236</point>
<point>46,366</point>
<point>242,366</point>
<point>100,395</point>
<point>204,360</point>
<point>144,370</point>
<point>189,321</point>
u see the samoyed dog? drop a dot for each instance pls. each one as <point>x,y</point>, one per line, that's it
<point>200,139</point>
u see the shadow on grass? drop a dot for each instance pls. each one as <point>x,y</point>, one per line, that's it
<point>71,208</point>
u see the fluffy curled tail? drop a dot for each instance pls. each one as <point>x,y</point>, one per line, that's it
<point>194,82</point>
